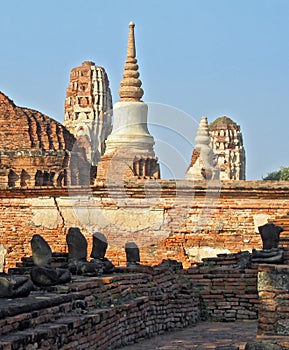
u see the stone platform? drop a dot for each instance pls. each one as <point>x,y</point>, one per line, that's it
<point>203,336</point>
<point>99,312</point>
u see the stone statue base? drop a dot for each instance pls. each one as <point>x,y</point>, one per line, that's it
<point>15,286</point>
<point>268,256</point>
<point>46,276</point>
<point>95,267</point>
<point>106,265</point>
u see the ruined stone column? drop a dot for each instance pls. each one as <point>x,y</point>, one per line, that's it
<point>227,144</point>
<point>273,291</point>
<point>88,108</point>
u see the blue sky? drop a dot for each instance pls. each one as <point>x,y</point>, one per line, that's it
<point>202,57</point>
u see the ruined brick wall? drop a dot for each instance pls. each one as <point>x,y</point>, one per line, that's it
<point>88,108</point>
<point>228,287</point>
<point>227,143</point>
<point>273,290</point>
<point>273,312</point>
<point>118,310</point>
<point>167,219</point>
<point>34,148</point>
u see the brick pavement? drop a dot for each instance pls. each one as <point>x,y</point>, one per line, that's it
<point>203,336</point>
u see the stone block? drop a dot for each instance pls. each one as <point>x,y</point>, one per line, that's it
<point>3,252</point>
<point>273,277</point>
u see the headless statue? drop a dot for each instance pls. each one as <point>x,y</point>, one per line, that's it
<point>14,286</point>
<point>77,254</point>
<point>271,253</point>
<point>43,274</point>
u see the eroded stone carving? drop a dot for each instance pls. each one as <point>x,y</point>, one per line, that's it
<point>77,245</point>
<point>46,276</point>
<point>14,286</point>
<point>270,234</point>
<point>132,254</point>
<point>41,251</point>
<point>77,255</point>
<point>99,247</point>
<point>43,274</point>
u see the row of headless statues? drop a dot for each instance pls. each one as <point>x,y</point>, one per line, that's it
<point>80,173</point>
<point>41,178</point>
<point>43,275</point>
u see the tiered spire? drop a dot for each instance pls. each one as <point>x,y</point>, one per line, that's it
<point>203,137</point>
<point>130,89</point>
<point>203,164</point>
<point>129,149</point>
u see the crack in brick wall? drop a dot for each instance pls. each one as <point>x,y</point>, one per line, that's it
<point>163,230</point>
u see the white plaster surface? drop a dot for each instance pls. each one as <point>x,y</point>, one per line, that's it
<point>130,126</point>
<point>86,212</point>
<point>45,212</point>
<point>198,253</point>
<point>3,252</point>
<point>260,220</point>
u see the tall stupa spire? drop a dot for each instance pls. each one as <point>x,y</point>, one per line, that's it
<point>129,149</point>
<point>130,89</point>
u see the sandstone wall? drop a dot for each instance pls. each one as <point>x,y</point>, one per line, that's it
<point>167,219</point>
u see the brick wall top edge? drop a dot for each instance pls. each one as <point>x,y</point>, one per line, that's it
<point>273,267</point>
<point>228,184</point>
<point>169,189</point>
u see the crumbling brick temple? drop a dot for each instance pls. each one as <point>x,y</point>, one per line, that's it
<point>195,236</point>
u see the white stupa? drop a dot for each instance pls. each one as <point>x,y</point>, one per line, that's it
<point>202,166</point>
<point>129,147</point>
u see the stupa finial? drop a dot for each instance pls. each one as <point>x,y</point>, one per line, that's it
<point>130,89</point>
<point>131,41</point>
<point>203,136</point>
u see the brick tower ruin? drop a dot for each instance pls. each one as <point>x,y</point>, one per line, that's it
<point>34,149</point>
<point>129,148</point>
<point>88,109</point>
<point>227,143</point>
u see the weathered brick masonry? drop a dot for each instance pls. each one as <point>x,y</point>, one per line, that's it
<point>227,287</point>
<point>273,290</point>
<point>167,219</point>
<point>99,313</point>
<point>273,311</point>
